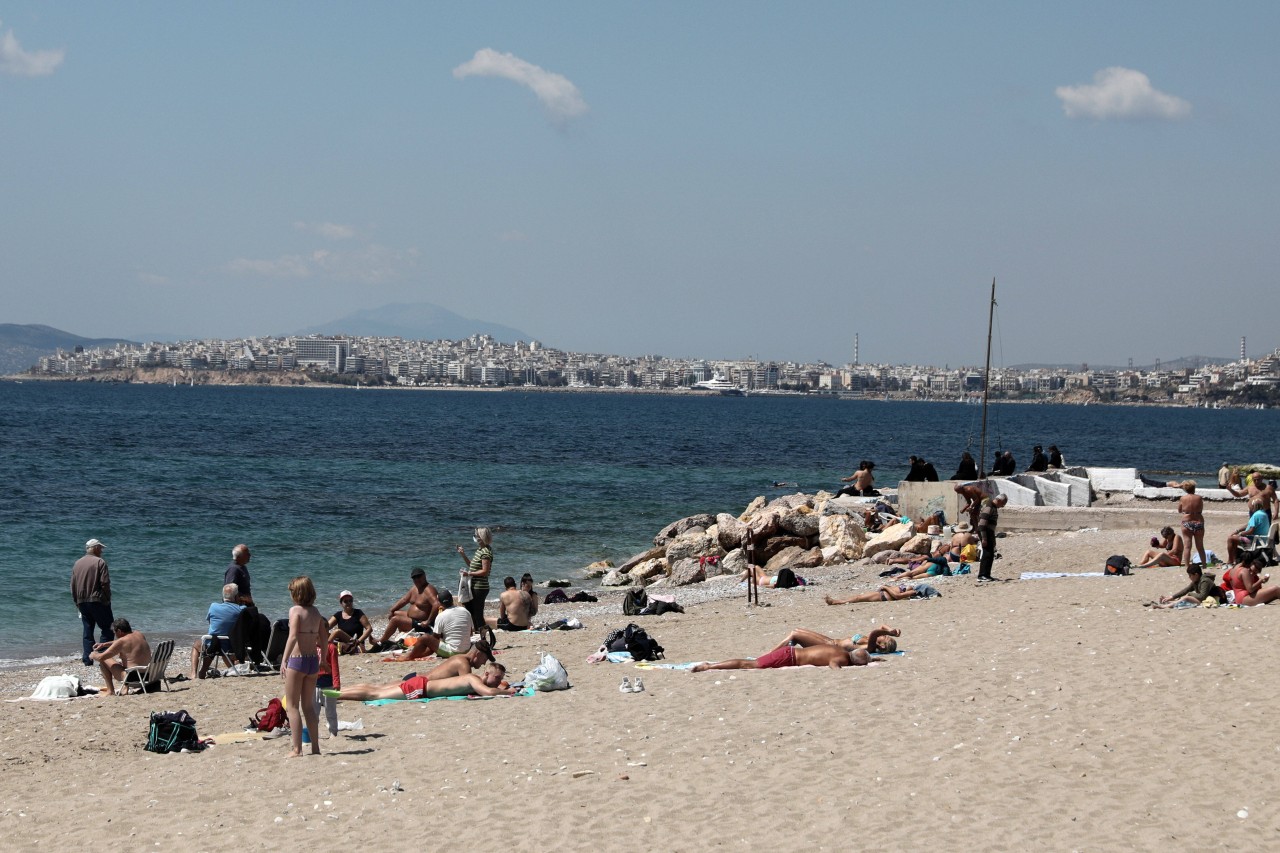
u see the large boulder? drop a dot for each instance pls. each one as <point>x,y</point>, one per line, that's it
<point>801,521</point>
<point>794,558</point>
<point>733,563</point>
<point>765,550</point>
<point>649,569</point>
<point>686,571</point>
<point>790,502</point>
<point>675,528</point>
<point>752,508</point>
<point>617,578</point>
<point>889,539</point>
<point>694,543</point>
<point>921,543</point>
<point>731,532</point>
<point>652,554</point>
<point>843,534</point>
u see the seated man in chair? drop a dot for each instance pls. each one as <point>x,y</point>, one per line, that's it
<point>129,648</point>
<point>222,618</point>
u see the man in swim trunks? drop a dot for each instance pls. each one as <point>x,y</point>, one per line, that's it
<point>1191,506</point>
<point>476,657</point>
<point>879,641</point>
<point>420,603</point>
<point>896,592</point>
<point>450,635</point>
<point>973,495</point>
<point>129,648</point>
<point>785,655</point>
<point>515,607</point>
<point>426,687</point>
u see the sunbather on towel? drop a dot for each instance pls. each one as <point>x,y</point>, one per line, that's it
<point>896,592</point>
<point>879,641</point>
<point>129,648</point>
<point>426,687</point>
<point>823,654</point>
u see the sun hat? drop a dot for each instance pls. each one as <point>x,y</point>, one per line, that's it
<point>93,543</point>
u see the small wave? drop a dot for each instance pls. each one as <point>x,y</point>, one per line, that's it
<point>22,663</point>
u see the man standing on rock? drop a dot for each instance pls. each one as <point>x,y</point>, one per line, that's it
<point>988,518</point>
<point>91,591</point>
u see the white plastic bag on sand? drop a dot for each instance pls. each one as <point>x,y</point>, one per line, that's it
<point>548,675</point>
<point>57,687</point>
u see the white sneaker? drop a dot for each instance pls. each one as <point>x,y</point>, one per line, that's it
<point>639,686</point>
<point>625,687</point>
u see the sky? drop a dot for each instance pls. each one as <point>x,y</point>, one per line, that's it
<point>708,179</point>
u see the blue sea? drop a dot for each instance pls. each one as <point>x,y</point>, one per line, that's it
<point>354,488</point>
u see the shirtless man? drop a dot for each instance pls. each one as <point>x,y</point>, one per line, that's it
<point>426,687</point>
<point>477,656</point>
<point>526,584</point>
<point>963,536</point>
<point>973,495</point>
<point>822,654</point>
<point>863,481</point>
<point>449,636</point>
<point>515,608</point>
<point>1259,489</point>
<point>879,641</point>
<point>1167,550</point>
<point>893,592</point>
<point>421,605</point>
<point>129,648</point>
<point>1191,506</point>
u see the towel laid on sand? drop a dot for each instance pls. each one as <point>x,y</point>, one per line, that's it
<point>1035,576</point>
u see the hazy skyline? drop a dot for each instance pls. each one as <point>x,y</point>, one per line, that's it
<point>712,179</point>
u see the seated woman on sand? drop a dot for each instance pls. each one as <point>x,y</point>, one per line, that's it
<point>1245,587</point>
<point>1165,551</point>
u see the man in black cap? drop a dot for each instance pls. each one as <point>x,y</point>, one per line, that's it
<point>420,603</point>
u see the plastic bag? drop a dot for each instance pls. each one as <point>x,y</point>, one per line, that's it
<point>464,590</point>
<point>548,675</point>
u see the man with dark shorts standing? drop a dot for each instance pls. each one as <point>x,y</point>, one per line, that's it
<point>988,518</point>
<point>238,574</point>
<point>91,591</point>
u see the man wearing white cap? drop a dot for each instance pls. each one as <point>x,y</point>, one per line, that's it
<point>91,591</point>
<point>349,627</point>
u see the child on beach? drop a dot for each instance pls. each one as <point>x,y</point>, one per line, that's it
<point>308,637</point>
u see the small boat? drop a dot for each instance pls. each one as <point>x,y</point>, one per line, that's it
<point>719,384</point>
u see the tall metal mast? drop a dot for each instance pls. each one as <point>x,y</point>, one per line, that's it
<point>986,384</point>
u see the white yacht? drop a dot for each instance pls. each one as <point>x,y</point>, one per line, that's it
<point>718,383</point>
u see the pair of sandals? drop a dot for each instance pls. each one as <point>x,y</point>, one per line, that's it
<point>628,687</point>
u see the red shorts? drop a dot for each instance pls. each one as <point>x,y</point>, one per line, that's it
<point>785,656</point>
<point>414,687</point>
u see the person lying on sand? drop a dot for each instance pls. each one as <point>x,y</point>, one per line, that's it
<point>785,655</point>
<point>879,641</point>
<point>935,564</point>
<point>895,592</point>
<point>1165,551</point>
<point>426,687</point>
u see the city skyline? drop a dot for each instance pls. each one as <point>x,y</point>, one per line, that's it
<point>708,179</point>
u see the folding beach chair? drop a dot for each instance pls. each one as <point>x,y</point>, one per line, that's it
<point>152,673</point>
<point>1264,545</point>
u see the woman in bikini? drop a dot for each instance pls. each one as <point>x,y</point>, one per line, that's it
<point>1191,506</point>
<point>1165,551</point>
<point>308,637</point>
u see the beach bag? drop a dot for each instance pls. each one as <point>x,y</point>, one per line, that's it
<point>548,675</point>
<point>556,596</point>
<point>634,602</point>
<point>173,731</point>
<point>271,717</point>
<point>464,590</point>
<point>1117,564</point>
<point>637,641</point>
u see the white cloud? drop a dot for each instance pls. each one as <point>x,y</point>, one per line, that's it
<point>328,230</point>
<point>560,98</point>
<point>14,60</point>
<point>370,265</point>
<point>1121,93</point>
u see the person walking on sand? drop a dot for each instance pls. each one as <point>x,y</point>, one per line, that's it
<point>91,592</point>
<point>988,519</point>
<point>477,571</point>
<point>1191,506</point>
<point>308,637</point>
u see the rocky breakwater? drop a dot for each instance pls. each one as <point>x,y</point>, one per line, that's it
<point>794,531</point>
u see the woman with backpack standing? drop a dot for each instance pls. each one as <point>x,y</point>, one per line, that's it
<point>477,572</point>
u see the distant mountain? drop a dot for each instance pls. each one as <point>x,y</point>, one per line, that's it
<point>22,347</point>
<point>421,321</point>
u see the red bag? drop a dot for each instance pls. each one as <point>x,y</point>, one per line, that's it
<point>271,717</point>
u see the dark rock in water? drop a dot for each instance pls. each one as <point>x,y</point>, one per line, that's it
<point>676,528</point>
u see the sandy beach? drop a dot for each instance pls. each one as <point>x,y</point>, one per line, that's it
<point>1051,714</point>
